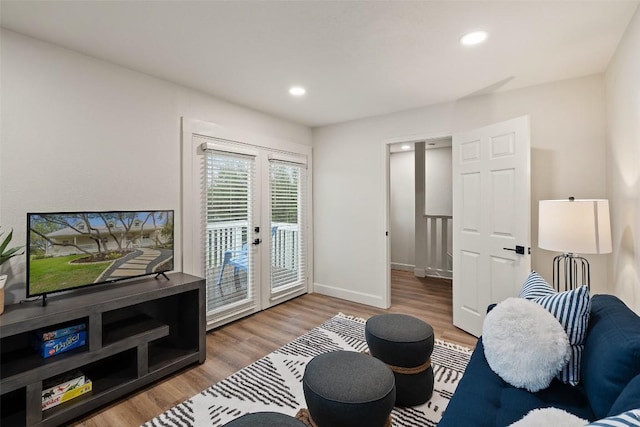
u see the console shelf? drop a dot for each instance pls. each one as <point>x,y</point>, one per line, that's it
<point>137,332</point>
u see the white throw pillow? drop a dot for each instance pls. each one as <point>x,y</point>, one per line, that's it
<point>550,417</point>
<point>524,344</point>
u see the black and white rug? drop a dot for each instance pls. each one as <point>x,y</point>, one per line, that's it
<point>274,383</point>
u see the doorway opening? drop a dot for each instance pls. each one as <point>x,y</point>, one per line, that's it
<point>491,203</point>
<point>420,207</point>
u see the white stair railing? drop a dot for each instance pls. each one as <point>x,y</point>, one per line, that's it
<point>439,246</point>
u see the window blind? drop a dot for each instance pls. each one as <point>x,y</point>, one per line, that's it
<point>288,200</point>
<point>229,196</point>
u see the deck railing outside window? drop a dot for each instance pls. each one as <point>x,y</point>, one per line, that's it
<point>224,236</point>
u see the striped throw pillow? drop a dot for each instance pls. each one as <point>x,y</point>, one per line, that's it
<point>535,287</point>
<point>630,418</point>
<point>572,309</point>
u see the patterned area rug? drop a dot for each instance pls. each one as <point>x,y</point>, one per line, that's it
<point>274,383</point>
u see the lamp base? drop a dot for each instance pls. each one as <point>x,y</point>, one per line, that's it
<point>573,269</point>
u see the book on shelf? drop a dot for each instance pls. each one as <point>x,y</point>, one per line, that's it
<point>48,334</point>
<point>60,345</point>
<point>68,395</point>
<point>62,383</point>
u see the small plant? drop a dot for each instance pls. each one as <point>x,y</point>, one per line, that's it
<point>7,254</point>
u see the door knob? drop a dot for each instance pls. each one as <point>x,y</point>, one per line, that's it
<point>518,249</point>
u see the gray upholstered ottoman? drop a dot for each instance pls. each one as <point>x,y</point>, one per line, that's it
<point>405,343</point>
<point>265,419</point>
<point>347,389</point>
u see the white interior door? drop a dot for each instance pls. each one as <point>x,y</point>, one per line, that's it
<point>491,218</point>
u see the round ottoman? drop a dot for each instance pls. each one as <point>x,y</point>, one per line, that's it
<point>405,343</point>
<point>265,419</point>
<point>346,389</point>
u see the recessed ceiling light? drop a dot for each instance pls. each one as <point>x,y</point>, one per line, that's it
<point>297,91</point>
<point>474,37</point>
<point>406,147</point>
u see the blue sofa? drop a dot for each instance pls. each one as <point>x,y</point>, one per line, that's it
<point>610,377</point>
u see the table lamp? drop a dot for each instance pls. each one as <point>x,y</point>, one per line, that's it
<point>573,226</point>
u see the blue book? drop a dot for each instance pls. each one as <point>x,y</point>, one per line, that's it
<point>45,335</point>
<point>60,345</point>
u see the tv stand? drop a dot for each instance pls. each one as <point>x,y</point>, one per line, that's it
<point>137,332</point>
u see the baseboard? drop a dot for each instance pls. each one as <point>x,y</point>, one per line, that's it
<point>359,297</point>
<point>402,267</point>
<point>434,272</point>
<point>419,272</point>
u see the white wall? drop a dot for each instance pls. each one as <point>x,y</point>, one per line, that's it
<point>567,159</point>
<point>622,82</point>
<point>79,133</point>
<point>439,185</point>
<point>401,210</point>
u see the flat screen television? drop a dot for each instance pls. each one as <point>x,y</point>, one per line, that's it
<point>71,250</point>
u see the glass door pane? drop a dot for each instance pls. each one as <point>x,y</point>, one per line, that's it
<point>229,216</point>
<point>287,183</point>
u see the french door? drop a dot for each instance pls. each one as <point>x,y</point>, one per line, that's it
<point>253,226</point>
<point>232,230</point>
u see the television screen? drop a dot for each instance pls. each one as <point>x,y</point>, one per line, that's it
<point>69,250</point>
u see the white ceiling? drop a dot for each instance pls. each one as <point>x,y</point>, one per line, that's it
<point>356,58</point>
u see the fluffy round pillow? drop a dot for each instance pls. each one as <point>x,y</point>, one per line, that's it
<point>549,417</point>
<point>524,344</point>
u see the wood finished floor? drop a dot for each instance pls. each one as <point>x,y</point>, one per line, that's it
<point>234,346</point>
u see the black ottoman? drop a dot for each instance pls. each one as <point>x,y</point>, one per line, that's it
<point>347,389</point>
<point>405,343</point>
<point>265,419</point>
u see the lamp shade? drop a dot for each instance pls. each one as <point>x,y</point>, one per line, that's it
<point>574,226</point>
